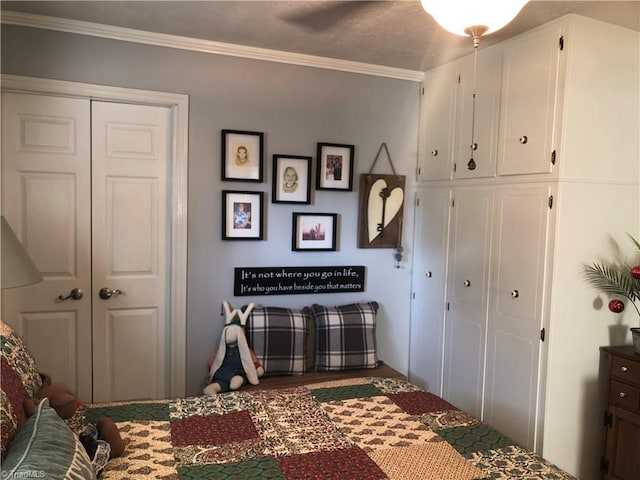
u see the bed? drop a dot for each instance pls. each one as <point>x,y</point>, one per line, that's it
<point>331,415</point>
<point>364,427</point>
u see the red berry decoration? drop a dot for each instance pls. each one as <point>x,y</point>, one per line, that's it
<point>635,272</point>
<point>616,306</point>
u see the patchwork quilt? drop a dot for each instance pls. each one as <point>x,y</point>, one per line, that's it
<point>358,429</point>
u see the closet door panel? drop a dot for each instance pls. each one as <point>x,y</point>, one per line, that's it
<point>515,313</point>
<point>467,294</point>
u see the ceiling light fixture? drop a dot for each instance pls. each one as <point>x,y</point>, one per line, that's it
<point>473,17</point>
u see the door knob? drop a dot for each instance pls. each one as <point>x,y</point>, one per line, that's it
<point>75,294</point>
<point>106,293</point>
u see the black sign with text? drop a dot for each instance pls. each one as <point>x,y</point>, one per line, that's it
<point>297,280</point>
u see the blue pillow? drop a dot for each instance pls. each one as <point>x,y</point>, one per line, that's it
<point>46,448</point>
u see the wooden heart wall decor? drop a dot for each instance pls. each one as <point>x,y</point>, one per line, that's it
<point>381,209</point>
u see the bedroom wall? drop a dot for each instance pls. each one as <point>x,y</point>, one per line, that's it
<point>295,107</point>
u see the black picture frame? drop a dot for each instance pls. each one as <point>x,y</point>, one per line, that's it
<point>314,232</point>
<point>242,156</point>
<point>242,215</point>
<point>295,169</point>
<point>334,167</point>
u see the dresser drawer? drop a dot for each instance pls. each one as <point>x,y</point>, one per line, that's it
<point>624,395</point>
<point>625,370</point>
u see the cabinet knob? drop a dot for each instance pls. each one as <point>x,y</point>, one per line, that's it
<point>434,152</point>
<point>622,394</point>
<point>623,368</point>
<point>515,293</point>
<point>523,139</point>
<point>474,146</point>
<point>467,283</point>
<point>429,274</point>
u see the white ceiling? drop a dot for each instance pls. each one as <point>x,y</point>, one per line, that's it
<point>397,34</point>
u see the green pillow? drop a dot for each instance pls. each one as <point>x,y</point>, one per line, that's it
<point>46,448</point>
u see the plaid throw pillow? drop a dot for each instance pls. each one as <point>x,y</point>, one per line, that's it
<point>278,337</point>
<point>345,336</point>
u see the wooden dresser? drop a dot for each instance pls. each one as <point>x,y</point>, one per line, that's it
<point>621,449</point>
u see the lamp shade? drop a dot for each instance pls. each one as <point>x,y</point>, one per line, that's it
<point>18,269</point>
<point>459,16</point>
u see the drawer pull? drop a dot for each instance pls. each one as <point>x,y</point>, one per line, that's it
<point>622,394</point>
<point>623,368</point>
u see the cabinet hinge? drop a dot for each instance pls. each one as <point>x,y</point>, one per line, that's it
<point>459,79</point>
<point>608,419</point>
<point>413,295</point>
<point>550,201</point>
<point>543,334</point>
<point>419,171</point>
<point>455,167</point>
<point>604,465</point>
<point>422,90</point>
<point>447,306</point>
<point>453,202</point>
<point>553,157</point>
<point>561,43</point>
<point>417,202</point>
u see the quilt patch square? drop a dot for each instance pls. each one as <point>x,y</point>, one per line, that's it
<point>148,452</point>
<point>290,422</point>
<point>258,469</point>
<point>431,461</point>
<point>346,392</point>
<point>376,423</point>
<point>350,463</point>
<point>123,412</point>
<point>475,438</point>
<point>419,403</point>
<point>213,429</point>
<point>220,404</point>
<point>515,462</point>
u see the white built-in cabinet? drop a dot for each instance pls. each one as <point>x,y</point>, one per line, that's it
<point>491,241</point>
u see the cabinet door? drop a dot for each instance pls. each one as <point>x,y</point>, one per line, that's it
<point>622,438</point>
<point>515,312</point>
<point>467,290</point>
<point>437,110</point>
<point>429,286</point>
<point>529,88</point>
<point>479,129</point>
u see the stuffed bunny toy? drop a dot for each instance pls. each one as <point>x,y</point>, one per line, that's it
<point>234,363</point>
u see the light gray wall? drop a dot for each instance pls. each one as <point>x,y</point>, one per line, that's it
<point>295,107</point>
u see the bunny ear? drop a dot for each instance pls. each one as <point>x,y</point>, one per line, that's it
<point>244,315</point>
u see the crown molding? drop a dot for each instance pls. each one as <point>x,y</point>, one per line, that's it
<point>203,46</point>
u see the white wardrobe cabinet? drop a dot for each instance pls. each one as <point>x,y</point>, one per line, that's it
<point>566,188</point>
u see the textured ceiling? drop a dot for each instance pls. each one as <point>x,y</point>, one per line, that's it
<point>396,34</point>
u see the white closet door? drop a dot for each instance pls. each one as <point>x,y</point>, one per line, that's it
<point>467,294</point>
<point>429,288</point>
<point>515,313</point>
<point>130,154</point>
<point>46,200</point>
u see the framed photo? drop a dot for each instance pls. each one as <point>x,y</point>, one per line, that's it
<point>291,179</point>
<point>242,215</point>
<point>335,167</point>
<point>242,154</point>
<point>314,231</point>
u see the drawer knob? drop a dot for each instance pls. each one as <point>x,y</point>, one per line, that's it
<point>622,394</point>
<point>434,152</point>
<point>623,368</point>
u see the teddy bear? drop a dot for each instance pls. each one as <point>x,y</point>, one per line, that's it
<point>234,363</point>
<point>66,404</point>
